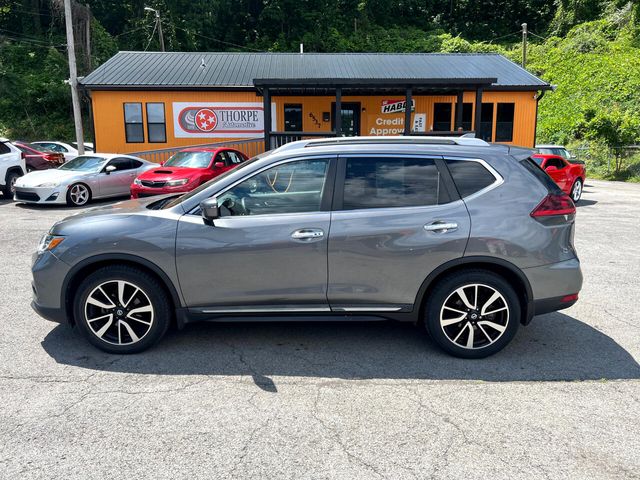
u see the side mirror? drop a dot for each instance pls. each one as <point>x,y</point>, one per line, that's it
<point>551,169</point>
<point>218,165</point>
<point>162,163</point>
<point>109,168</point>
<point>210,210</point>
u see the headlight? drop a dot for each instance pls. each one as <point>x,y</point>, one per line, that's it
<point>49,242</point>
<point>137,182</point>
<point>49,184</point>
<point>175,183</point>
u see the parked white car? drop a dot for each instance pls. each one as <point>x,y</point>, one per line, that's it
<point>12,166</point>
<point>79,180</point>
<point>69,150</point>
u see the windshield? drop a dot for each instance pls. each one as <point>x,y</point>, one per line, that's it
<point>538,160</point>
<point>84,163</point>
<point>189,159</point>
<point>186,196</point>
<point>38,148</point>
<point>561,152</point>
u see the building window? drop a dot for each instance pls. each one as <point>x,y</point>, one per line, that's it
<point>134,131</point>
<point>156,127</point>
<point>486,122</point>
<point>442,117</point>
<point>292,118</point>
<point>467,117</point>
<point>504,122</point>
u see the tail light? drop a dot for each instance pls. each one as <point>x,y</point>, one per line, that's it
<point>554,204</point>
<point>23,155</point>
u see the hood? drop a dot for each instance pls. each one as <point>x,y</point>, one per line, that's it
<point>39,177</point>
<point>171,173</point>
<point>105,215</point>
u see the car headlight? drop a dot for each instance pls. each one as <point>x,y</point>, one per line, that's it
<point>49,184</point>
<point>175,183</point>
<point>49,242</point>
<point>137,182</point>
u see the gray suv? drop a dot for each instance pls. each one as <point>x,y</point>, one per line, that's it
<point>466,239</point>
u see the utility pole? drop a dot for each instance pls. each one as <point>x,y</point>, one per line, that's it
<point>73,77</point>
<point>158,26</point>
<point>524,45</point>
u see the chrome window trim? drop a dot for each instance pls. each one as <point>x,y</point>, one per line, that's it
<point>499,180</point>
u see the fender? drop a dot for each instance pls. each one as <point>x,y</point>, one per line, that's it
<point>177,301</point>
<point>528,307</point>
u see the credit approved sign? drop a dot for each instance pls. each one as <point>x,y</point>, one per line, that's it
<point>219,120</point>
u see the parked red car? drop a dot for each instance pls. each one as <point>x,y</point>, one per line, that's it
<point>186,170</point>
<point>38,158</point>
<point>569,176</point>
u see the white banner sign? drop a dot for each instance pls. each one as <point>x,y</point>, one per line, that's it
<point>219,120</point>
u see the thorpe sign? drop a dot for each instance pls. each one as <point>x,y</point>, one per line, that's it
<point>219,120</point>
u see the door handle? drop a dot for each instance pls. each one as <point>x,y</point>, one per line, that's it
<point>308,234</point>
<point>441,227</point>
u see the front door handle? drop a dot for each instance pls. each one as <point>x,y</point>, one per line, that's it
<point>441,227</point>
<point>308,234</point>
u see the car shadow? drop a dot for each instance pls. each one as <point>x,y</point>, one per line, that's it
<point>60,206</point>
<point>585,203</point>
<point>554,347</point>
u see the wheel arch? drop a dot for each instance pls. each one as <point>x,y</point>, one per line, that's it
<point>505,269</point>
<point>91,264</point>
<point>13,169</point>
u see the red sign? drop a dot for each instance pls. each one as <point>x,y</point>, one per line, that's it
<point>206,119</point>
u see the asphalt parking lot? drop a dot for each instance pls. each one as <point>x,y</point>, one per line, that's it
<point>327,400</point>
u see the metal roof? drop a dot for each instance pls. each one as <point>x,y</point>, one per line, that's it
<point>166,70</point>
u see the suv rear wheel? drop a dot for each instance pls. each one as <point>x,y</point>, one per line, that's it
<point>472,313</point>
<point>121,309</point>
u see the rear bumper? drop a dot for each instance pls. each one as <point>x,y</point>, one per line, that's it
<point>554,285</point>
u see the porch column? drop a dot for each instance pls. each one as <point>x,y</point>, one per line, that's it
<point>407,111</point>
<point>266,99</point>
<point>459,104</point>
<point>338,112</point>
<point>478,115</point>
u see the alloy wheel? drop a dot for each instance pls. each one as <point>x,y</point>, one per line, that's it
<point>119,312</point>
<point>474,316</point>
<point>12,184</point>
<point>576,191</point>
<point>79,194</point>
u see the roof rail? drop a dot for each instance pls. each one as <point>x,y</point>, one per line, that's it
<point>412,140</point>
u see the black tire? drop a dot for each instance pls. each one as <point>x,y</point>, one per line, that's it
<point>576,193</point>
<point>72,199</point>
<point>479,328</point>
<point>10,179</point>
<point>116,338</point>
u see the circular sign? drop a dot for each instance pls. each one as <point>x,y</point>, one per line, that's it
<point>206,119</point>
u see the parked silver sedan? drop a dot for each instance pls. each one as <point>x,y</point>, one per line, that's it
<point>84,178</point>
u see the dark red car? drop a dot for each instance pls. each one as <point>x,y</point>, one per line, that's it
<point>569,176</point>
<point>38,158</point>
<point>186,170</point>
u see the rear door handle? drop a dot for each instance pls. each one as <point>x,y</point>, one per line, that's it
<point>441,227</point>
<point>308,234</point>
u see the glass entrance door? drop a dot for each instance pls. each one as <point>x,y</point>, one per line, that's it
<point>350,115</point>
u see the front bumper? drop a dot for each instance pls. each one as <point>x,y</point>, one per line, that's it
<point>49,274</point>
<point>140,191</point>
<point>41,195</point>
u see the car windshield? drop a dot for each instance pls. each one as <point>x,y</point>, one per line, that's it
<point>189,159</point>
<point>84,163</point>
<point>39,148</point>
<point>186,196</point>
<point>561,152</point>
<point>538,160</point>
<point>89,148</point>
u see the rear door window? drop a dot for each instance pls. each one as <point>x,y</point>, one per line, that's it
<point>470,176</point>
<point>388,182</point>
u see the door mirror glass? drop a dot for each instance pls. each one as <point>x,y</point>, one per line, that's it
<point>109,168</point>
<point>551,168</point>
<point>210,210</point>
<point>218,165</point>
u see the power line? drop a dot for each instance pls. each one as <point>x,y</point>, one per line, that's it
<point>217,40</point>
<point>151,37</point>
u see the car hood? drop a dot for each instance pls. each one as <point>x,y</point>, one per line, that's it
<point>171,173</point>
<point>106,213</point>
<point>39,177</point>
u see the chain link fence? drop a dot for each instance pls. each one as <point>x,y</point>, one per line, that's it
<point>623,160</point>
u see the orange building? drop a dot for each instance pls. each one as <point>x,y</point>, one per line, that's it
<point>145,101</point>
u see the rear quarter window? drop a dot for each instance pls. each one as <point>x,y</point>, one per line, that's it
<point>533,168</point>
<point>469,176</point>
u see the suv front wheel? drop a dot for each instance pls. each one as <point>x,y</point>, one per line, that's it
<point>121,309</point>
<point>472,313</point>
